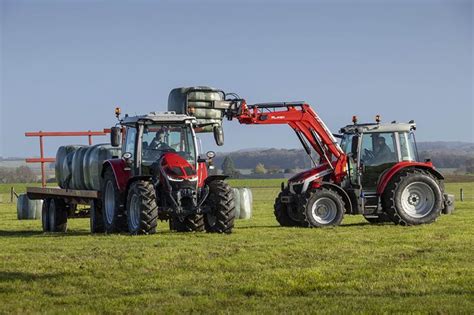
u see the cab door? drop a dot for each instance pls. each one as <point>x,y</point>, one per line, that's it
<point>378,152</point>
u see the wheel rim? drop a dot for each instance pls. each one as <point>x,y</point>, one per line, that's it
<point>134,213</point>
<point>324,210</point>
<point>418,199</point>
<point>109,202</point>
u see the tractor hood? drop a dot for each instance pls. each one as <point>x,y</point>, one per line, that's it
<point>177,168</point>
<point>317,172</point>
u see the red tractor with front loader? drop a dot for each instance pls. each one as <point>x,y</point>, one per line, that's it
<point>158,174</point>
<point>375,170</point>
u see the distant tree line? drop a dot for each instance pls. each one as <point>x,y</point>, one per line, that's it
<point>21,174</point>
<point>275,160</point>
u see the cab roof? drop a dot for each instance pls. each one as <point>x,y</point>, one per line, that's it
<point>376,128</point>
<point>159,117</point>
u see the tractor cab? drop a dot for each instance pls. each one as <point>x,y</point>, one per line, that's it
<point>166,137</point>
<point>373,149</point>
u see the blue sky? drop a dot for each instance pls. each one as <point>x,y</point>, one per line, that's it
<point>65,65</point>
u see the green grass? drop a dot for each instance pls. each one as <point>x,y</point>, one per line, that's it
<point>260,268</point>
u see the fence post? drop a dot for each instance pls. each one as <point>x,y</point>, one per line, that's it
<point>461,193</point>
<point>11,194</point>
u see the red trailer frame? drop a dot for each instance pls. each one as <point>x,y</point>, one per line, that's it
<point>41,134</point>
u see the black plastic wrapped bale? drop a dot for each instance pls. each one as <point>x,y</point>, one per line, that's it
<point>198,102</point>
<point>63,164</point>
<point>93,161</point>
<point>77,171</point>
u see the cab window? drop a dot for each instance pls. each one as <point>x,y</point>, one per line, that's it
<point>378,148</point>
<point>130,141</point>
<point>407,146</point>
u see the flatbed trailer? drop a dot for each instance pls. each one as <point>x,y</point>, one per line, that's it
<point>73,196</point>
<point>60,204</point>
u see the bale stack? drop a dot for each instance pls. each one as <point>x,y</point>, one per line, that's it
<point>79,167</point>
<point>197,102</point>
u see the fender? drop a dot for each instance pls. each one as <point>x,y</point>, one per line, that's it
<point>387,176</point>
<point>121,171</point>
<point>342,193</point>
<point>202,174</point>
<point>215,177</point>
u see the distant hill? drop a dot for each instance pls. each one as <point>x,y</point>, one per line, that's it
<point>444,154</point>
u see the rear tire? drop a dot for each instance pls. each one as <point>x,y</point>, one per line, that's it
<point>282,212</point>
<point>57,216</point>
<point>221,217</point>
<point>413,197</point>
<point>321,208</point>
<point>96,217</point>
<point>142,210</point>
<point>114,221</point>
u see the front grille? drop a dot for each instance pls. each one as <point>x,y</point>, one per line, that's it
<point>298,188</point>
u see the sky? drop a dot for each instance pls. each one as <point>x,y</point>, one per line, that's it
<point>65,65</point>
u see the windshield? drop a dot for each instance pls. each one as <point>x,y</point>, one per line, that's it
<point>161,138</point>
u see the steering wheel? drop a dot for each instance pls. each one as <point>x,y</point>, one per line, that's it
<point>369,155</point>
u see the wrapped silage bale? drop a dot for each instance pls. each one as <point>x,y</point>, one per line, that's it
<point>245,203</point>
<point>28,209</point>
<point>63,164</point>
<point>197,102</point>
<point>77,171</point>
<point>236,192</point>
<point>93,162</point>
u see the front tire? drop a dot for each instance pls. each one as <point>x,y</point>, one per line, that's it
<point>413,197</point>
<point>142,210</point>
<point>220,218</point>
<point>286,214</point>
<point>322,208</point>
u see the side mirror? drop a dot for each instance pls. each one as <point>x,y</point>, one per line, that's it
<point>115,136</point>
<point>218,135</point>
<point>127,156</point>
<point>210,155</point>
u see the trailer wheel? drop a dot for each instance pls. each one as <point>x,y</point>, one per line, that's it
<point>377,218</point>
<point>45,215</point>
<point>321,208</point>
<point>413,197</point>
<point>142,210</point>
<point>57,216</point>
<point>114,221</point>
<point>191,223</point>
<point>96,217</point>
<point>285,215</point>
<point>220,218</point>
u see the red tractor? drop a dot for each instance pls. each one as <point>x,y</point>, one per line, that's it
<point>161,176</point>
<point>375,171</point>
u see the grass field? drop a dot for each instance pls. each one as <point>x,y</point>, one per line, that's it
<point>260,268</point>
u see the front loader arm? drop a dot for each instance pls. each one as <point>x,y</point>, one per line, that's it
<point>301,118</point>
